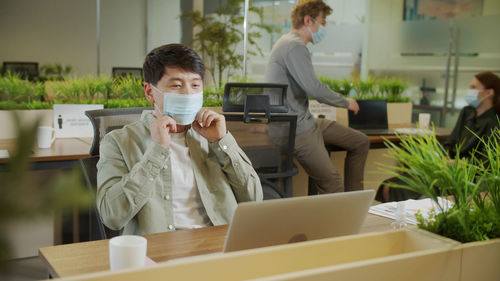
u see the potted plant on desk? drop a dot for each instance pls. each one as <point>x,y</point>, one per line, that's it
<point>474,186</point>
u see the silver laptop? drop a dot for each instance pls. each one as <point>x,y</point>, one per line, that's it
<point>282,221</point>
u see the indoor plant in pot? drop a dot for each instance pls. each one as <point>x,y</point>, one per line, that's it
<point>473,184</point>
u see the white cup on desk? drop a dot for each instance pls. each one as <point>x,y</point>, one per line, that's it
<point>424,120</point>
<point>127,251</point>
<point>45,136</point>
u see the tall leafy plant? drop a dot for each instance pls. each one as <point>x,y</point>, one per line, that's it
<point>129,87</point>
<point>15,89</point>
<point>472,183</point>
<point>55,72</point>
<point>218,35</point>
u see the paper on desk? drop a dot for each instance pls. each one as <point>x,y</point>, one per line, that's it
<point>149,261</point>
<point>388,210</point>
<point>413,131</point>
<point>4,153</point>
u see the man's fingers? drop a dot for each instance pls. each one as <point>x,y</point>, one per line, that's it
<point>209,120</point>
<point>197,126</point>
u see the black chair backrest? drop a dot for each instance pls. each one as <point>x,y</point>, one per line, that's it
<point>106,120</point>
<point>267,139</point>
<point>27,70</point>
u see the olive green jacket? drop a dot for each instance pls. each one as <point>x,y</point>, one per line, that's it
<point>134,179</point>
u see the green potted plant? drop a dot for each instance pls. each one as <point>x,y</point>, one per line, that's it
<point>333,84</point>
<point>218,35</point>
<point>364,88</point>
<point>473,184</point>
<point>54,72</point>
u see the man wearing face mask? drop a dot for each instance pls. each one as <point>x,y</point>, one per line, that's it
<point>290,63</point>
<point>478,119</point>
<point>177,167</point>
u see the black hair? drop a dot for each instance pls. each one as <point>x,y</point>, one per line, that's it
<point>171,56</point>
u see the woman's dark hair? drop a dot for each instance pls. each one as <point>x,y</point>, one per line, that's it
<point>491,81</point>
<point>171,56</point>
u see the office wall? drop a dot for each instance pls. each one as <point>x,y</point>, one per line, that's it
<point>49,31</point>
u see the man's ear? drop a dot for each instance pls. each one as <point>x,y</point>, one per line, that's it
<point>307,20</point>
<point>148,93</point>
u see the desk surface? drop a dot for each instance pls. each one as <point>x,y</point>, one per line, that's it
<point>78,148</point>
<point>62,149</point>
<point>441,133</point>
<point>80,258</point>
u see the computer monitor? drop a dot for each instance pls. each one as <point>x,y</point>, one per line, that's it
<point>125,71</point>
<point>236,94</point>
<point>26,70</point>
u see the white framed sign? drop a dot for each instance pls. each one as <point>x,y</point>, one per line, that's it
<point>70,120</point>
<point>316,108</point>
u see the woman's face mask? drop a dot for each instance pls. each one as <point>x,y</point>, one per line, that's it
<point>471,97</point>
<point>181,107</point>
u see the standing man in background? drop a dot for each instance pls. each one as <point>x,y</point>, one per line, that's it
<point>290,63</point>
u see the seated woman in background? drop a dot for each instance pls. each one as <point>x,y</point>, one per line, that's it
<point>480,116</point>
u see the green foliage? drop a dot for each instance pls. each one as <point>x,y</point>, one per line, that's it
<point>395,87</point>
<point>129,87</point>
<point>121,103</point>
<point>54,72</point>
<point>120,92</point>
<point>473,183</point>
<point>12,105</point>
<point>217,36</point>
<point>13,88</point>
<point>364,87</point>
<point>23,196</point>
<point>389,89</point>
<point>333,84</point>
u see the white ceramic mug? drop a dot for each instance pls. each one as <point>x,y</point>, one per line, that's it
<point>424,120</point>
<point>127,251</point>
<point>45,136</point>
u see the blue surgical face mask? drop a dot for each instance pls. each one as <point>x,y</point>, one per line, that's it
<point>319,35</point>
<point>181,107</point>
<point>471,97</point>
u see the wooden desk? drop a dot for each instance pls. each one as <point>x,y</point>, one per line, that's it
<point>377,141</point>
<point>62,154</point>
<point>80,258</point>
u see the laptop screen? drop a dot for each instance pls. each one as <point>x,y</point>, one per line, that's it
<point>372,115</point>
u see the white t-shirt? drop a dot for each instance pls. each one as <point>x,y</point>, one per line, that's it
<point>189,211</point>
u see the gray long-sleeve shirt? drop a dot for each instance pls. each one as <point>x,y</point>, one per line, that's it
<point>290,63</point>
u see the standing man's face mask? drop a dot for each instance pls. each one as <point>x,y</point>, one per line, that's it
<point>181,107</point>
<point>471,97</point>
<point>319,35</point>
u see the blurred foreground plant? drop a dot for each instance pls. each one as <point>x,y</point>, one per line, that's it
<point>24,197</point>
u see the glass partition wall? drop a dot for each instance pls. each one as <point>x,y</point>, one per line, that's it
<point>437,51</point>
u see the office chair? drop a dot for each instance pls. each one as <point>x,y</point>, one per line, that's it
<point>26,70</point>
<point>124,71</point>
<point>106,120</point>
<point>267,138</point>
<point>103,121</point>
